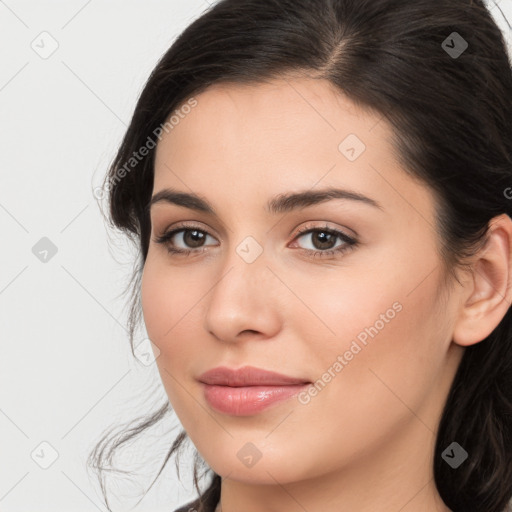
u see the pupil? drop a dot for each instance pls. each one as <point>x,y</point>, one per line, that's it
<point>324,238</point>
<point>194,238</point>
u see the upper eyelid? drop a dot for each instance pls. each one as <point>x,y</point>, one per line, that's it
<point>186,227</point>
<point>298,233</point>
<point>349,242</point>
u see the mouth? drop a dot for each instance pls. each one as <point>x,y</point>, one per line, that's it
<point>248,390</point>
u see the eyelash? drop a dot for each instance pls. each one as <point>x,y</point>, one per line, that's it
<point>350,243</point>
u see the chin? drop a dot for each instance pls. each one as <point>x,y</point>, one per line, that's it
<point>265,471</point>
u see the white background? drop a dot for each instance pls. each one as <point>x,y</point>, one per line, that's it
<point>66,370</point>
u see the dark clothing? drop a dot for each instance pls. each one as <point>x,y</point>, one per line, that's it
<point>211,498</point>
<point>193,506</point>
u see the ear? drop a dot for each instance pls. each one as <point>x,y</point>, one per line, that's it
<point>488,293</point>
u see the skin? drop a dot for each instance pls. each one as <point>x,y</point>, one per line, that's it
<point>365,442</point>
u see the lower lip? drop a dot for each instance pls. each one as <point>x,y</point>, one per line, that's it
<point>245,401</point>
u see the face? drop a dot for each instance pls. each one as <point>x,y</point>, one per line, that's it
<point>341,292</point>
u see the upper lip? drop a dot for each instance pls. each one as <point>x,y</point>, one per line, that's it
<point>247,376</point>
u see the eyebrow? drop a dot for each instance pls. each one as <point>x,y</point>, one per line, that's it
<point>281,203</point>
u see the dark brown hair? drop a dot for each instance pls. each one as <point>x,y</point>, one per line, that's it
<point>451,115</point>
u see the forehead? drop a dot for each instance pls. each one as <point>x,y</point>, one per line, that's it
<point>278,112</point>
<point>258,140</point>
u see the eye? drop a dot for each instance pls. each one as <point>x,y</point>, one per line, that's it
<point>323,241</point>
<point>191,237</point>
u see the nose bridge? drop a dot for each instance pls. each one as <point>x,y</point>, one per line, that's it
<point>241,299</point>
<point>245,273</point>
<point>249,250</point>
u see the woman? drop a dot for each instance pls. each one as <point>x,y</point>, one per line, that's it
<point>320,191</point>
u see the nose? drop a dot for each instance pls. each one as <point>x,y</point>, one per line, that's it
<point>244,302</point>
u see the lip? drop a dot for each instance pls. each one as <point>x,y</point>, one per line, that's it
<point>247,376</point>
<point>248,390</point>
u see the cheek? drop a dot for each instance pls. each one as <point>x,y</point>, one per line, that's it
<point>343,310</point>
<point>167,313</point>
<point>164,303</point>
<point>172,301</point>
<point>375,335</point>
<point>157,305</point>
<point>368,389</point>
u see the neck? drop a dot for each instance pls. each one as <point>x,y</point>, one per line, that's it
<point>397,477</point>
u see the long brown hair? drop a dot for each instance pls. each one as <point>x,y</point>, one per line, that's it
<point>439,72</point>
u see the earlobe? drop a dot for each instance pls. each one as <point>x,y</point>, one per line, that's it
<point>489,290</point>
